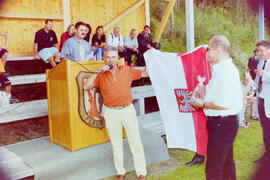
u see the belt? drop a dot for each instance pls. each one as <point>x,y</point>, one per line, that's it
<point>219,117</point>
<point>119,107</point>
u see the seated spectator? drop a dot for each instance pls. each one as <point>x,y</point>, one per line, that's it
<point>145,42</point>
<point>115,40</point>
<point>131,45</point>
<point>253,63</point>
<point>248,91</point>
<point>88,33</point>
<point>3,49</point>
<point>99,42</point>
<point>76,48</point>
<point>46,44</point>
<point>69,33</point>
<point>5,83</point>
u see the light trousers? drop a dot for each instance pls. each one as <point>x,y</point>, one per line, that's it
<point>115,120</point>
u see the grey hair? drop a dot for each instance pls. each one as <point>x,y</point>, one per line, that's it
<point>110,48</point>
<point>222,42</point>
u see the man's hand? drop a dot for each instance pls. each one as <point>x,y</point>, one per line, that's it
<point>89,84</point>
<point>197,104</point>
<point>120,48</point>
<point>36,56</point>
<point>135,49</point>
<point>260,73</point>
<point>92,58</point>
<point>92,48</point>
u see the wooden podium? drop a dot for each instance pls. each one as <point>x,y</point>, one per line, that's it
<point>65,122</point>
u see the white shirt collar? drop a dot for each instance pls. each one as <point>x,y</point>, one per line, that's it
<point>217,66</point>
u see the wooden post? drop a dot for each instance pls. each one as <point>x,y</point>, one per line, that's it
<point>261,20</point>
<point>66,13</point>
<point>147,13</point>
<point>172,24</point>
<point>164,20</point>
<point>190,25</point>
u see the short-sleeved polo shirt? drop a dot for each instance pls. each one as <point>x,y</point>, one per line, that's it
<point>44,39</point>
<point>116,91</point>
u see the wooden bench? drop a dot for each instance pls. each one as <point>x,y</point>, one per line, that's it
<point>27,79</point>
<point>20,56</point>
<point>39,108</point>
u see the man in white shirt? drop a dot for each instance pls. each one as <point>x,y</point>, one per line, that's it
<point>222,102</point>
<point>131,45</point>
<point>263,95</point>
<point>116,40</point>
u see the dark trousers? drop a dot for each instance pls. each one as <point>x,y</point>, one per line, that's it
<point>122,54</point>
<point>222,131</point>
<point>265,123</point>
<point>140,59</point>
<point>129,53</point>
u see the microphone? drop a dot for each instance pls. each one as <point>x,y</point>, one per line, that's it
<point>105,68</point>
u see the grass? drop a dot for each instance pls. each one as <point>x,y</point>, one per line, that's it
<point>248,147</point>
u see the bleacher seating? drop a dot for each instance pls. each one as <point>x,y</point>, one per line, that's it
<point>39,108</point>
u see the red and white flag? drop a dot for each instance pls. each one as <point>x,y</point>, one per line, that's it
<point>174,77</point>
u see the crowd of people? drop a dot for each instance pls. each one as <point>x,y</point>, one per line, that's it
<point>77,43</point>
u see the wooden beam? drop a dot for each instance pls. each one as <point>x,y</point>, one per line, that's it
<point>190,25</point>
<point>164,20</point>
<point>66,13</point>
<point>31,16</point>
<point>261,20</point>
<point>147,13</point>
<point>122,15</point>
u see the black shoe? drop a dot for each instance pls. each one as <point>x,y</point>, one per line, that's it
<point>13,100</point>
<point>197,159</point>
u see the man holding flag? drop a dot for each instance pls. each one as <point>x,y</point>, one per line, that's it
<point>223,100</point>
<point>174,78</point>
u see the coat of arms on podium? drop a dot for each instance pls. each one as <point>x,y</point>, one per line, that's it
<point>90,102</point>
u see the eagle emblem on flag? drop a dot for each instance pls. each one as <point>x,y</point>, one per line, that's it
<point>183,97</point>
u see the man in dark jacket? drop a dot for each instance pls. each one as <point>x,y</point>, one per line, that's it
<point>252,64</point>
<point>145,42</point>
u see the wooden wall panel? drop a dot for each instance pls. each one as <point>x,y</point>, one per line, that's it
<point>101,12</point>
<point>22,31</point>
<point>94,12</point>
<point>32,6</point>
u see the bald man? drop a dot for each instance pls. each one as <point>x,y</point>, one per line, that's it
<point>222,102</point>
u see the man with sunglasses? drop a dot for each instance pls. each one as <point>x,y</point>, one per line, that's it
<point>222,102</point>
<point>115,86</point>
